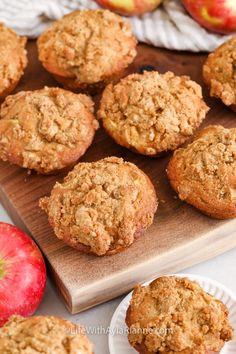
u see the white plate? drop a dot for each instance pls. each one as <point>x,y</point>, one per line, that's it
<point>118,342</point>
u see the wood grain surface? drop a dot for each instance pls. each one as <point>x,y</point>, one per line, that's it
<point>180,236</point>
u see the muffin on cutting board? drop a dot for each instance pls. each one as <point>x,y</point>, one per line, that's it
<point>204,173</point>
<point>219,73</point>
<point>13,60</point>
<point>87,49</point>
<point>152,113</point>
<point>101,207</point>
<point>46,130</point>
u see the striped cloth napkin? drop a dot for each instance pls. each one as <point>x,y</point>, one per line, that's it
<point>169,26</point>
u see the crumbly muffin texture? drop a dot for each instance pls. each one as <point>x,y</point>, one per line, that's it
<point>204,173</point>
<point>13,59</point>
<point>43,335</point>
<point>219,72</point>
<point>151,112</point>
<point>88,47</point>
<point>101,206</point>
<point>175,315</point>
<point>46,130</point>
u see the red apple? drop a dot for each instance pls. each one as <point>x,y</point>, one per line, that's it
<point>130,7</point>
<point>215,15</point>
<point>22,273</point>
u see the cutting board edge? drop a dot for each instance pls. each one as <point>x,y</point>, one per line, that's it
<point>13,213</point>
<point>95,296</point>
<point>114,289</point>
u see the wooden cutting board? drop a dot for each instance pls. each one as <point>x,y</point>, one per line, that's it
<point>180,236</point>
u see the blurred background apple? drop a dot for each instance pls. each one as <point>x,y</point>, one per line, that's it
<point>130,7</point>
<point>215,15</point>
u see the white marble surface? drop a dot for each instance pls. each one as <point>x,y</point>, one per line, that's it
<point>222,268</point>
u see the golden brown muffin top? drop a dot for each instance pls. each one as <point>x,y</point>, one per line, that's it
<point>13,58</point>
<point>204,173</point>
<point>152,112</point>
<point>43,335</point>
<point>175,315</point>
<point>220,74</point>
<point>102,204</point>
<point>88,45</point>
<point>46,130</point>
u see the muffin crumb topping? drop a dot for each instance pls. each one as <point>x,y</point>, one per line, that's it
<point>175,315</point>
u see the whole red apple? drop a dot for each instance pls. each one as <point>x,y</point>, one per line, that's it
<point>130,7</point>
<point>215,15</point>
<point>22,273</point>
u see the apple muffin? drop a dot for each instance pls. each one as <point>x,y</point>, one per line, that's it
<point>43,335</point>
<point>87,49</point>
<point>152,113</point>
<point>219,73</point>
<point>13,60</point>
<point>175,315</point>
<point>102,206</point>
<point>204,173</point>
<point>46,130</point>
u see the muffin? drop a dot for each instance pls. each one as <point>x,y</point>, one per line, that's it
<point>152,113</point>
<point>87,49</point>
<point>46,130</point>
<point>13,60</point>
<point>175,315</point>
<point>43,335</point>
<point>101,207</point>
<point>219,73</point>
<point>204,173</point>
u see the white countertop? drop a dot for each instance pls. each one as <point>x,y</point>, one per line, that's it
<point>221,268</point>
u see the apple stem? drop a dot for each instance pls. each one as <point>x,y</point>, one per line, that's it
<point>2,268</point>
